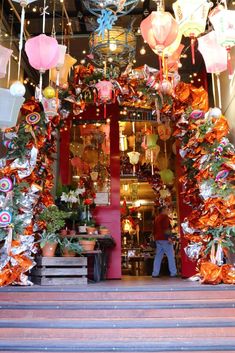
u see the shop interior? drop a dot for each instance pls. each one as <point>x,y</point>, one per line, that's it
<point>147,152</point>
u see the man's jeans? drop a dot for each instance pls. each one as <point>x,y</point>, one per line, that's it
<point>164,247</point>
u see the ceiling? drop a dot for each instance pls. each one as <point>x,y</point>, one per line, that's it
<point>73,23</point>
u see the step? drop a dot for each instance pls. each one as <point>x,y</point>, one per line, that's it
<point>117,323</point>
<point>175,345</point>
<point>118,334</point>
<point>116,313</point>
<point>170,294</point>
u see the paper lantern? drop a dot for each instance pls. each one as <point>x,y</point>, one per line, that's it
<point>223,22</point>
<point>191,16</point>
<point>43,54</point>
<point>214,55</point>
<point>159,30</point>
<point>151,140</point>
<point>167,176</point>
<point>123,143</point>
<point>215,58</point>
<point>134,157</point>
<point>10,107</point>
<point>5,54</point>
<point>105,95</point>
<point>59,75</point>
<point>164,132</point>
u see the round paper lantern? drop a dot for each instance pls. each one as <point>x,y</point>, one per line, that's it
<point>167,176</point>
<point>42,52</point>
<point>159,30</point>
<point>134,157</point>
<point>164,132</point>
<point>191,16</point>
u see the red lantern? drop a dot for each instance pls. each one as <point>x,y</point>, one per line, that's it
<point>105,93</point>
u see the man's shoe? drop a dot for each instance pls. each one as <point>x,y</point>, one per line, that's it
<point>155,276</point>
<point>173,276</point>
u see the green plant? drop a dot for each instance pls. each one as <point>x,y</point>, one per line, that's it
<point>53,218</point>
<point>70,245</point>
<point>48,238</point>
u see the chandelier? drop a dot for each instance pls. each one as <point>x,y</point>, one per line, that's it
<point>117,47</point>
<point>119,7</point>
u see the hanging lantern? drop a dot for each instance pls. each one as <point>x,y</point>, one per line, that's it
<point>134,157</point>
<point>119,7</point>
<point>59,74</point>
<point>105,93</point>
<point>117,46</point>
<point>223,22</point>
<point>167,176</point>
<point>191,16</point>
<point>10,106</point>
<point>43,54</point>
<point>5,54</point>
<point>123,143</point>
<point>159,30</point>
<point>215,58</point>
<point>164,132</point>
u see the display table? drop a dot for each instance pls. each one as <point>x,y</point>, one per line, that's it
<point>99,258</point>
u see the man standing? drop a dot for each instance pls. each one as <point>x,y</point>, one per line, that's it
<point>164,244</point>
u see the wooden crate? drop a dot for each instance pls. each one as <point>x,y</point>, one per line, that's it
<point>54,271</point>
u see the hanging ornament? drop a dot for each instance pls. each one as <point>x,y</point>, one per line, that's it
<point>5,218</point>
<point>105,93</point>
<point>59,74</point>
<point>164,132</point>
<point>6,184</point>
<point>10,107</point>
<point>33,118</point>
<point>223,22</point>
<point>49,92</point>
<point>5,55</point>
<point>123,143</point>
<point>167,176</point>
<point>191,16</point>
<point>215,58</point>
<point>159,30</point>
<point>134,157</point>
<point>43,53</point>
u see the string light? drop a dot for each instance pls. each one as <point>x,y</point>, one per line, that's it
<point>143,51</point>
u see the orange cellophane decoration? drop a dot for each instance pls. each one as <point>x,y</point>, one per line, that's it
<point>210,273</point>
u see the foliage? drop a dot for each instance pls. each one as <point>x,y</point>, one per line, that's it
<point>70,245</point>
<point>54,219</point>
<point>48,238</point>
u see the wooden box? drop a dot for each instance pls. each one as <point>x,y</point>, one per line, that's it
<point>53,271</point>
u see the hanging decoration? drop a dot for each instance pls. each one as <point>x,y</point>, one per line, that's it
<point>108,11</point>
<point>192,17</point>
<point>10,102</point>
<point>106,94</point>
<point>36,48</point>
<point>215,57</point>
<point>223,21</point>
<point>117,47</point>
<point>5,55</point>
<point>59,74</point>
<point>208,187</point>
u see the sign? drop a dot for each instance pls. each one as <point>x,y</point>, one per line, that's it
<point>102,198</point>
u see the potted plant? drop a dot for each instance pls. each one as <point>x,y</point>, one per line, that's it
<point>88,244</point>
<point>53,220</point>
<point>90,227</point>
<point>103,230</point>
<point>70,247</point>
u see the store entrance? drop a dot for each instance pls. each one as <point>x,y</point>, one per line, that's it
<point>147,183</point>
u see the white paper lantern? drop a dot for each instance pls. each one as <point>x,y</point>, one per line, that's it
<point>10,107</point>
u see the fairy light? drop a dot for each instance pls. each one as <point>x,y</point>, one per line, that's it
<point>143,51</point>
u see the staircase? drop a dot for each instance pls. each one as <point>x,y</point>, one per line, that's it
<point>118,318</point>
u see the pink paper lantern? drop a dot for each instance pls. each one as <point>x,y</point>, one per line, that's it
<point>5,54</point>
<point>42,52</point>
<point>159,30</point>
<point>214,55</point>
<point>105,91</point>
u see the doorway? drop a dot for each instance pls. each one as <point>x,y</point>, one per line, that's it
<point>146,183</point>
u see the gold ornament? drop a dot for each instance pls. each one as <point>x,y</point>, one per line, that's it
<point>49,92</point>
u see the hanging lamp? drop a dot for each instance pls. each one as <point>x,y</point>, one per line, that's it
<point>215,58</point>
<point>223,22</point>
<point>191,16</point>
